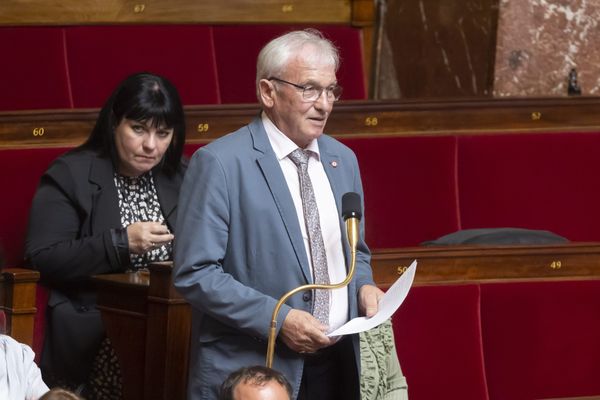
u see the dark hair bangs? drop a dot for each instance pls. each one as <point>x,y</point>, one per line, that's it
<point>154,107</point>
<point>142,97</point>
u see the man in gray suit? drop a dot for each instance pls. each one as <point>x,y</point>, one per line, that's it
<point>243,240</point>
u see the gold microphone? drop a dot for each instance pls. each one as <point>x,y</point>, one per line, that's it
<point>351,212</point>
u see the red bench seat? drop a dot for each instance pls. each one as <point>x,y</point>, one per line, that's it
<point>78,66</point>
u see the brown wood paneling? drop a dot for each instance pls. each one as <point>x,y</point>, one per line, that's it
<point>147,320</point>
<point>363,16</point>
<point>442,49</point>
<point>459,264</point>
<point>17,300</point>
<point>46,128</point>
<point>168,336</point>
<point>81,12</point>
<point>122,300</point>
<point>58,128</point>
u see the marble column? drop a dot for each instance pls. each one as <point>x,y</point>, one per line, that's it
<point>540,41</point>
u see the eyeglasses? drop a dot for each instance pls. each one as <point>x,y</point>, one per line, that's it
<point>312,93</point>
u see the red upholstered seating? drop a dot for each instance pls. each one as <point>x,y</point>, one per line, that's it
<point>438,340</point>
<point>78,66</point>
<point>190,148</point>
<point>540,339</point>
<point>22,172</point>
<point>237,47</point>
<point>33,71</point>
<point>535,181</point>
<point>101,56</point>
<point>23,169</point>
<point>506,340</point>
<point>410,188</point>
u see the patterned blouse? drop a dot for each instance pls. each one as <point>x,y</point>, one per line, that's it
<point>138,201</point>
<point>381,375</point>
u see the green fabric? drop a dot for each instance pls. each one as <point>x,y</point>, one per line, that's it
<point>381,375</point>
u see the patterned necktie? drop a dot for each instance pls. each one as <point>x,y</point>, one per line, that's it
<point>315,238</point>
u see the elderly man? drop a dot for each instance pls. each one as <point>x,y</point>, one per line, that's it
<point>259,215</point>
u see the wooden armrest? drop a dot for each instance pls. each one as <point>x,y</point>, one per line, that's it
<point>15,274</point>
<point>459,264</point>
<point>17,300</point>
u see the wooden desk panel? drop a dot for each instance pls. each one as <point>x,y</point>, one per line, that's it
<point>167,338</point>
<point>122,300</point>
<point>82,12</point>
<point>148,324</point>
<point>459,264</point>
<point>17,300</point>
<point>145,305</point>
<point>350,119</point>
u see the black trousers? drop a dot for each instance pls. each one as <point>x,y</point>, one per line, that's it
<point>331,374</point>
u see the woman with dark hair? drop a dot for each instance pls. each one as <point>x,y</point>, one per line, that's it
<point>107,206</point>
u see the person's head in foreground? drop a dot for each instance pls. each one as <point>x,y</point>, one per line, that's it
<point>60,394</point>
<point>255,383</point>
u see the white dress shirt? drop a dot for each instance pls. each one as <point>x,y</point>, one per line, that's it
<point>20,377</point>
<point>328,215</point>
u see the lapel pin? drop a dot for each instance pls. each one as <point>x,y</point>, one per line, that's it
<point>334,164</point>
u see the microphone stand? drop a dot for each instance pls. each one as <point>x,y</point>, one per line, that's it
<point>352,231</point>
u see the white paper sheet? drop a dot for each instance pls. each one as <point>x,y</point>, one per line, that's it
<point>388,304</point>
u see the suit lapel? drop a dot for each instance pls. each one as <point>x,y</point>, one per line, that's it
<point>332,164</point>
<point>271,170</point>
<point>104,192</point>
<point>167,190</point>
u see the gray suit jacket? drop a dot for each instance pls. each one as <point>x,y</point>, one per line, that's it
<point>239,248</point>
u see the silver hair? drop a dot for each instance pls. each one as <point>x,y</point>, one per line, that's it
<point>274,57</point>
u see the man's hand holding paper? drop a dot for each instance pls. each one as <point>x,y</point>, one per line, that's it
<point>388,304</point>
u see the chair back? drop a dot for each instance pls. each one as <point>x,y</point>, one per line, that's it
<point>2,322</point>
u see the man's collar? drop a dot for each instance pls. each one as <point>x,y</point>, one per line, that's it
<point>283,145</point>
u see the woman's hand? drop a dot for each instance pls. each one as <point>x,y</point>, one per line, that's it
<point>145,236</point>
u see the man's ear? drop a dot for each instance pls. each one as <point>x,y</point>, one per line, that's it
<point>266,92</point>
